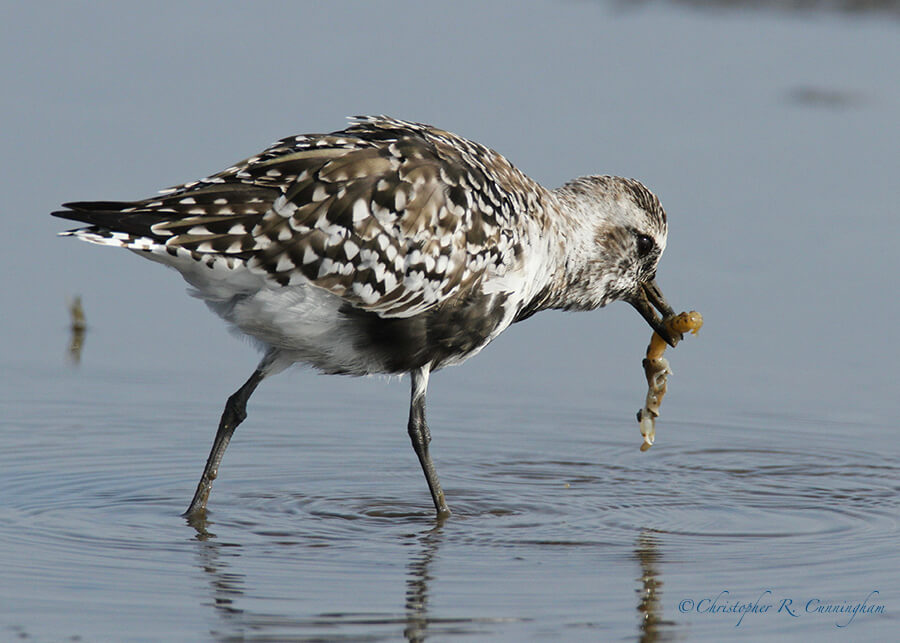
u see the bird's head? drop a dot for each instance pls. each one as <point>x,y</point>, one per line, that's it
<point>623,231</point>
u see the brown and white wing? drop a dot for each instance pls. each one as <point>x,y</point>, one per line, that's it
<point>394,217</point>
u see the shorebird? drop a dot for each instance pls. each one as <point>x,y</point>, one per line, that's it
<point>387,247</point>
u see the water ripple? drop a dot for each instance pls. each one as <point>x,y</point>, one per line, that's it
<point>762,498</point>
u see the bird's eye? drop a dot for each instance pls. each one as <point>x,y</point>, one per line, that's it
<point>644,244</point>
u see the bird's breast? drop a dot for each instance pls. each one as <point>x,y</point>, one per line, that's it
<point>445,335</point>
<point>315,327</point>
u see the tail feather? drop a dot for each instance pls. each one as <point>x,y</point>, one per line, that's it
<point>113,216</point>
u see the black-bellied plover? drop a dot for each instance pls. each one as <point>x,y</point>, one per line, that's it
<point>387,247</point>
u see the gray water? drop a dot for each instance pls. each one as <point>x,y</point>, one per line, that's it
<point>772,139</point>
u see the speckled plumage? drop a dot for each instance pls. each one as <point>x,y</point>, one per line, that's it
<point>388,247</point>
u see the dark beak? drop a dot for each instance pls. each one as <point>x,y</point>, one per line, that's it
<point>648,297</point>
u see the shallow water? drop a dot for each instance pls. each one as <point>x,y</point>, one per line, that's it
<point>562,528</point>
<point>771,138</point>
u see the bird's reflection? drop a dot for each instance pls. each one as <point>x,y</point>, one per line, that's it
<point>226,588</point>
<point>653,627</point>
<point>417,583</point>
<point>213,560</point>
<point>78,326</point>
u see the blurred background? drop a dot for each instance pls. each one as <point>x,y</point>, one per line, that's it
<point>767,129</point>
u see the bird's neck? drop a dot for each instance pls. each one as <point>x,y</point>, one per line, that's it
<point>566,247</point>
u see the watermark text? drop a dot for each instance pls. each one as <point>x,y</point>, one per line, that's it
<point>766,602</point>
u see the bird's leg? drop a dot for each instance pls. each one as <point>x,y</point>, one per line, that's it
<point>421,436</point>
<point>234,413</point>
